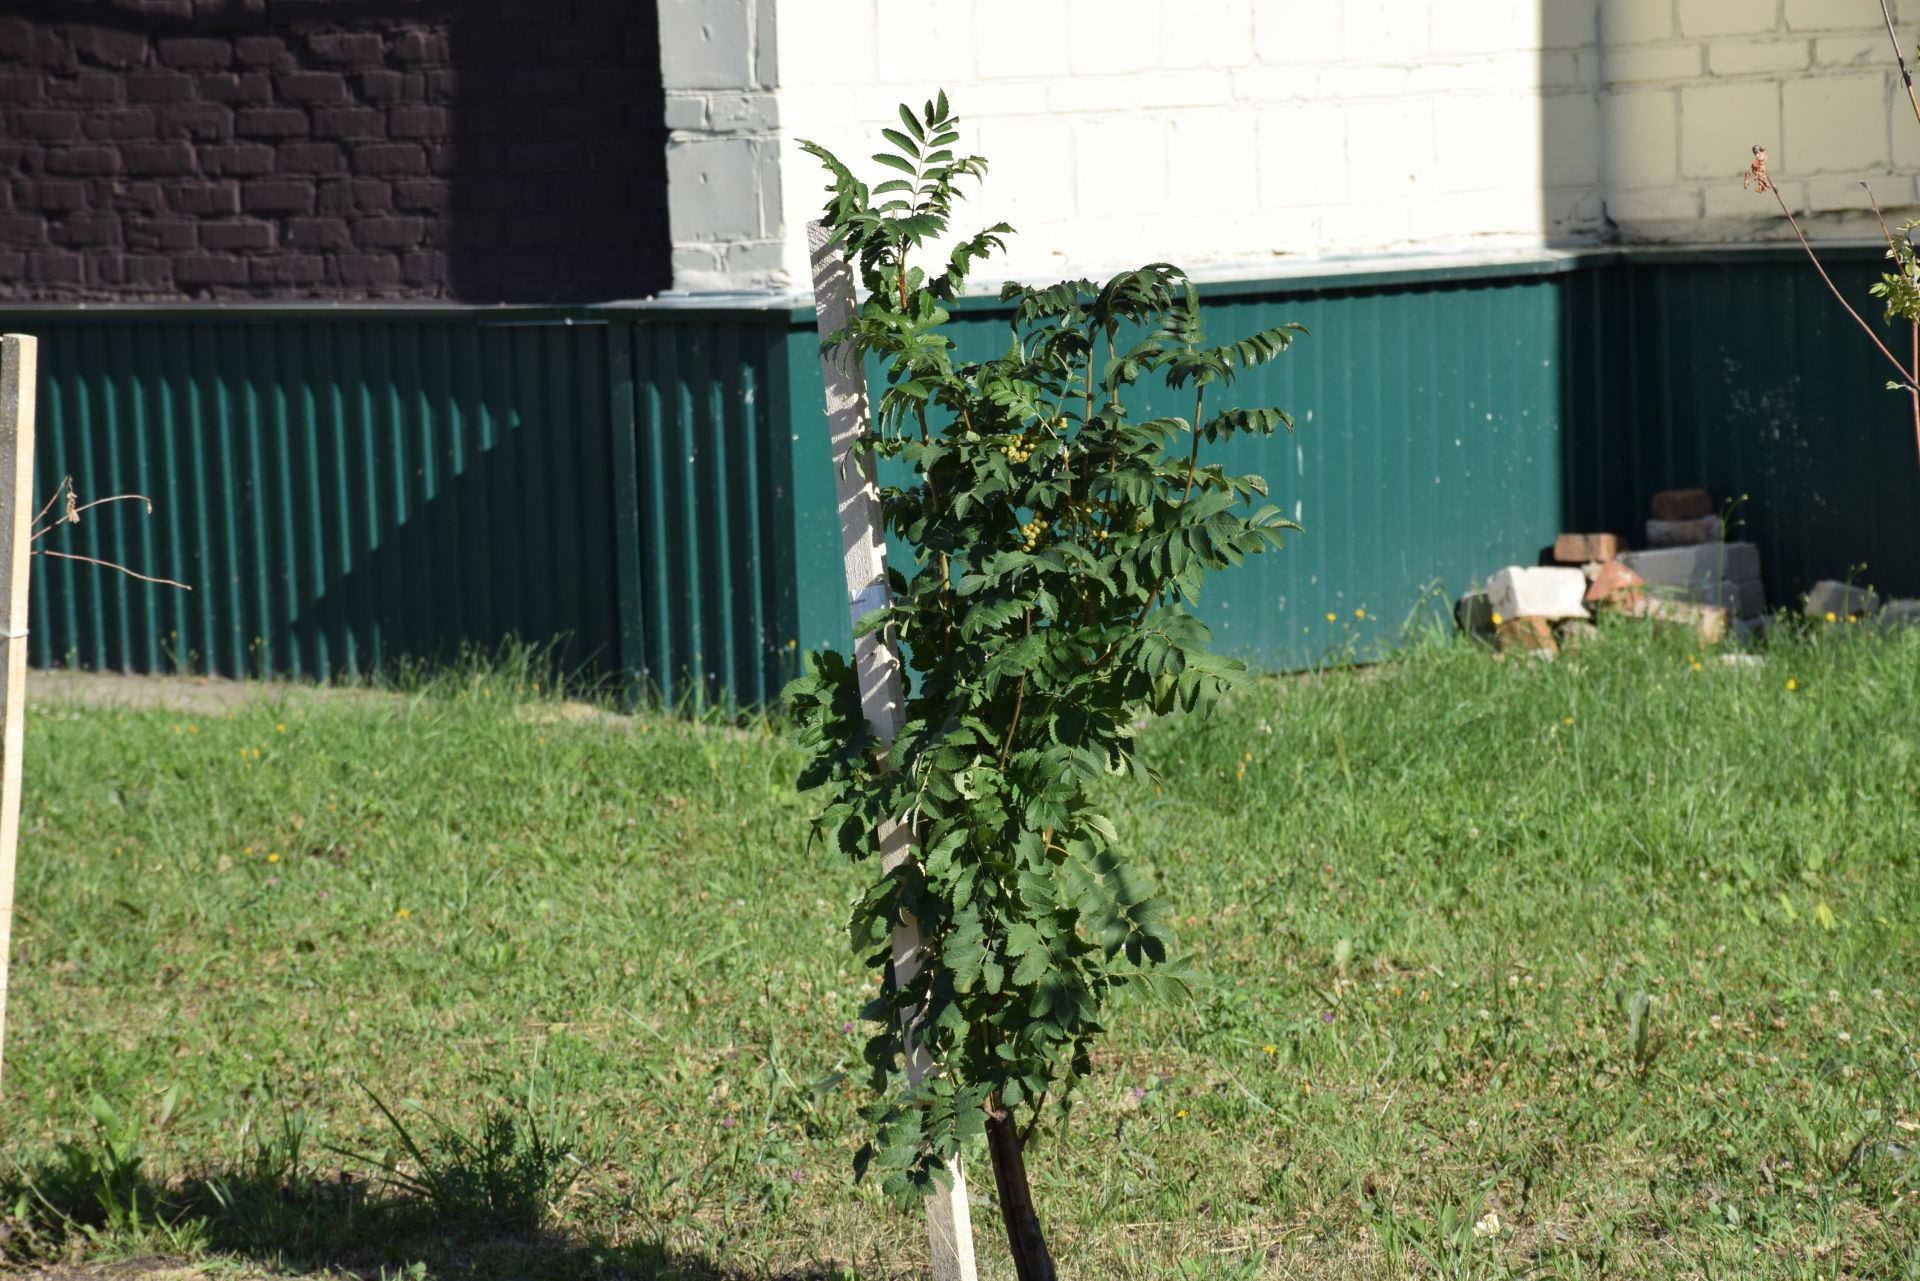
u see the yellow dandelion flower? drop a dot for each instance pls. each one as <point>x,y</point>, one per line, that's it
<point>1177,1115</point>
<point>1333,618</point>
<point>1697,667</point>
<point>1359,613</point>
<point>1830,617</point>
<point>273,858</point>
<point>1567,720</point>
<point>1269,1049</point>
<point>193,729</point>
<point>279,729</point>
<point>1497,620</point>
<point>1792,684</point>
<point>403,914</point>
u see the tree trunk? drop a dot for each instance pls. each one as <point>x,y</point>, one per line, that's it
<point>1031,1260</point>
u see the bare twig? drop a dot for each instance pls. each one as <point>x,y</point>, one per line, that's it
<point>1906,76</point>
<point>107,564</point>
<point>1758,170</point>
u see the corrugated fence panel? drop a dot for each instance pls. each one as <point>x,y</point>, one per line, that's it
<point>339,494</point>
<point>1745,376</point>
<point>1426,455</point>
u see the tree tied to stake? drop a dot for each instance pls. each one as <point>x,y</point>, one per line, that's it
<point>1057,547</point>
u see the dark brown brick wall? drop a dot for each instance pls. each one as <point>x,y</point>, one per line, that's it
<point>465,150</point>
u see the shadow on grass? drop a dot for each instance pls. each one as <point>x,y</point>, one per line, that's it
<point>465,1204</point>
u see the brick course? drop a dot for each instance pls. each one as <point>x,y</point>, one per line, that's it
<point>486,151</point>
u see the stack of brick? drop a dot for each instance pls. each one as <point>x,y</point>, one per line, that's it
<point>1836,602</point>
<point>1686,576</point>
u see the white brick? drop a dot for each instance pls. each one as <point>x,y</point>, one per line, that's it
<point>1384,30</point>
<point>706,44</point>
<point>1742,214</point>
<point>1108,95</point>
<point>713,187</point>
<point>1119,165</point>
<point>1484,26</point>
<point>1470,75</point>
<point>1211,161</point>
<point>925,43</point>
<point>1030,180</point>
<point>1727,17</point>
<point>1107,36</point>
<point>1205,33</point>
<point>1486,143</point>
<point>1389,150</point>
<point>822,42</point>
<point>1295,32</point>
<point>1660,63</point>
<point>1642,137</point>
<point>1626,22</point>
<point>1547,591</point>
<point>1649,209</point>
<point>1019,38</point>
<point>1835,123</point>
<point>1302,155</point>
<point>1360,228</point>
<point>742,112</point>
<point>1273,84</point>
<point>1720,123</point>
<point>1757,57</point>
<point>1510,217</point>
<point>686,112</point>
<point>1851,51</point>
<point>1570,151</point>
<point>1826,15</point>
<point>1570,24</point>
<point>1358,81</point>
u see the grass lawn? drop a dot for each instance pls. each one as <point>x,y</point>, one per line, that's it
<point>1617,958</point>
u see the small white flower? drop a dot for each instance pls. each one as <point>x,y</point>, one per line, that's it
<point>1488,1225</point>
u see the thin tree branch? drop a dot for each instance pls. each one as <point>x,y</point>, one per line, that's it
<point>1905,75</point>
<point>107,564</point>
<point>72,513</point>
<point>1906,378</point>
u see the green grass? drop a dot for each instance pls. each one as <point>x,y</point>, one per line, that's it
<point>597,977</point>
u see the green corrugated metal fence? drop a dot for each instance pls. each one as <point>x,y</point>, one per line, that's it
<point>647,488</point>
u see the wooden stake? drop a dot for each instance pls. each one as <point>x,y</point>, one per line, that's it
<point>863,544</point>
<point>19,355</point>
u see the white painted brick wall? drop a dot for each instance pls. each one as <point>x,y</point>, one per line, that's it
<point>1245,135</point>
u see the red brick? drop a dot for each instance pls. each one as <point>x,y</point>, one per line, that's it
<point>53,197</point>
<point>209,270</point>
<point>380,86</point>
<point>92,87</point>
<point>312,158</point>
<point>197,121</point>
<point>158,158</point>
<point>352,123</point>
<point>193,53</point>
<point>108,46</point>
<point>165,234</point>
<point>1612,580</point>
<point>127,125</point>
<point>204,197</point>
<point>389,233</point>
<point>86,231</point>
<point>254,86</point>
<point>311,86</point>
<point>140,273</point>
<point>140,197</point>
<point>159,86</point>
<point>55,267</point>
<point>1707,622</point>
<point>238,159</point>
<point>16,87</point>
<point>23,229</point>
<point>44,126</point>
<point>1682,504</point>
<point>246,234</point>
<point>419,122</point>
<point>348,49</point>
<point>83,162</point>
<point>1528,633</point>
<point>271,122</point>
<point>277,195</point>
<point>368,271</point>
<point>287,269</point>
<point>1578,549</point>
<point>354,195</point>
<point>318,233</point>
<point>263,51</point>
<point>390,160</point>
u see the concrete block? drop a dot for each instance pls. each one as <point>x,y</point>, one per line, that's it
<point>1837,601</point>
<point>1899,613</point>
<point>1474,614</point>
<point>1695,566</point>
<point>1681,504</point>
<point>1578,549</point>
<point>1545,592</point>
<point>1683,533</point>
<point>1532,634</point>
<point>1824,117</point>
<point>1744,599</point>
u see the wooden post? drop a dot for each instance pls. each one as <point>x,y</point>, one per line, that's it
<point>863,544</point>
<point>18,360</point>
